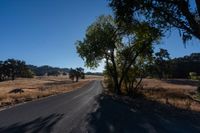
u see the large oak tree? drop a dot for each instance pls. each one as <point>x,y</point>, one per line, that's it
<point>120,49</point>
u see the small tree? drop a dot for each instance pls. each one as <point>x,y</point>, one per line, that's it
<point>193,75</point>
<point>64,73</point>
<point>72,74</point>
<point>161,63</point>
<point>76,74</point>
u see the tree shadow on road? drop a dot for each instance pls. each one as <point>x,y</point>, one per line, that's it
<point>140,116</point>
<point>43,125</point>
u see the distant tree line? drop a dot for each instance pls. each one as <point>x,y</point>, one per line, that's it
<point>11,68</point>
<point>164,67</point>
<point>94,73</point>
<point>183,66</point>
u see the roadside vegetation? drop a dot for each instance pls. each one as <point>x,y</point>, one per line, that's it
<point>125,43</point>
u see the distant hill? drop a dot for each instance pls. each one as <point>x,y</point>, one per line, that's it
<point>54,71</point>
<point>49,70</point>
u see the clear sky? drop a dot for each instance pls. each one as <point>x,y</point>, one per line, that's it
<point>43,32</point>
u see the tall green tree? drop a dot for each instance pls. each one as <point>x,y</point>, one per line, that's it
<point>162,63</point>
<point>100,42</point>
<point>165,14</point>
<point>120,49</point>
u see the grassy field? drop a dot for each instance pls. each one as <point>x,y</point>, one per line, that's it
<point>176,92</point>
<point>37,87</point>
<point>180,93</point>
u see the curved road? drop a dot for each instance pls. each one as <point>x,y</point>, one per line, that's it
<point>85,111</point>
<point>56,114</point>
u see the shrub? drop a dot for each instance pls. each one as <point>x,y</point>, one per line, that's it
<point>109,84</point>
<point>17,90</point>
<point>198,89</point>
<point>193,75</point>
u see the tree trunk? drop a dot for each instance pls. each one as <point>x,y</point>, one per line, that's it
<point>198,6</point>
<point>13,77</point>
<point>76,78</point>
<point>183,6</point>
<point>117,88</point>
<point>13,74</point>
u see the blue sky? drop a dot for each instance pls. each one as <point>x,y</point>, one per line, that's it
<point>43,32</point>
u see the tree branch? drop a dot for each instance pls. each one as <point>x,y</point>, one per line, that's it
<point>198,6</point>
<point>184,8</point>
<point>132,61</point>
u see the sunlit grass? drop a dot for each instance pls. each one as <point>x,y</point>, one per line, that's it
<point>36,88</point>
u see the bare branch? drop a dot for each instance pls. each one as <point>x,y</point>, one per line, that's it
<point>198,6</point>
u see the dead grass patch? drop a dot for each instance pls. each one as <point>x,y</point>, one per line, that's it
<point>176,93</point>
<point>36,88</point>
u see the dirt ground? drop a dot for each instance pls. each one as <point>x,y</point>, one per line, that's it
<point>125,115</point>
<point>180,93</point>
<point>36,88</point>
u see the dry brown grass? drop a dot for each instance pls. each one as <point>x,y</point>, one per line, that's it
<point>178,93</point>
<point>37,87</point>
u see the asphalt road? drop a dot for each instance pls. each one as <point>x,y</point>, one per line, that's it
<point>57,114</point>
<point>85,111</point>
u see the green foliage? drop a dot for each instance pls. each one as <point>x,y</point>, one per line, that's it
<point>100,38</point>
<point>53,73</point>
<point>193,75</point>
<point>11,68</point>
<point>94,73</point>
<point>175,68</point>
<point>162,65</point>
<point>163,14</point>
<point>120,49</point>
<point>27,74</point>
<point>76,74</point>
